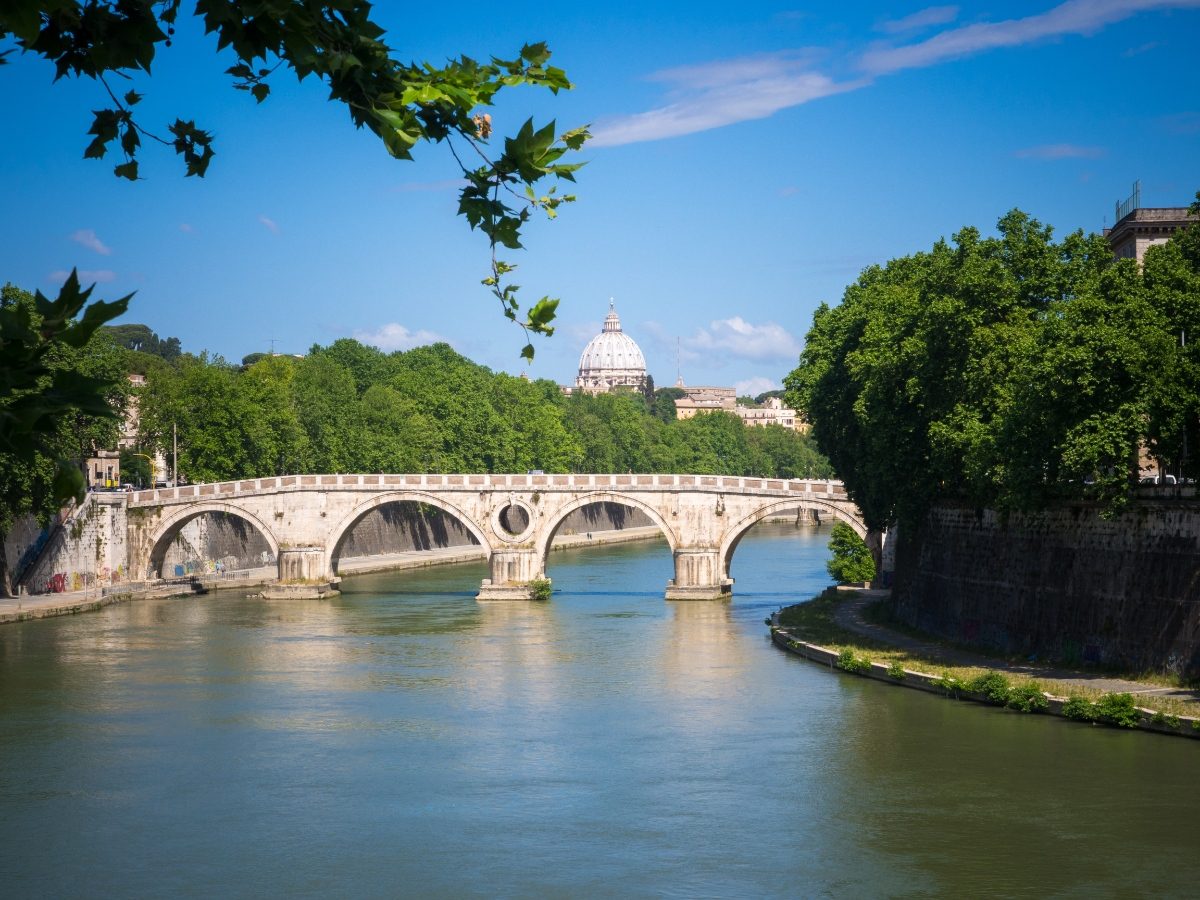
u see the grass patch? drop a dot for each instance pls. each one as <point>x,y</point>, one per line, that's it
<point>814,622</point>
<point>877,613</point>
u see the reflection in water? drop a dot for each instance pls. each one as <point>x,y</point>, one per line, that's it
<point>404,739</point>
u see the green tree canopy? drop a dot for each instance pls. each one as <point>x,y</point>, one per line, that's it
<point>1010,372</point>
<point>851,560</point>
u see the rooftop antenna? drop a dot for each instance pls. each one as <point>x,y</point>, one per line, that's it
<point>272,340</point>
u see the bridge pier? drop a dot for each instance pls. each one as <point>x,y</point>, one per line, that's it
<point>302,575</point>
<point>511,574</point>
<point>698,576</point>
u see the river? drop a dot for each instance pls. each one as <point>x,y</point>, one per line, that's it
<point>404,740</point>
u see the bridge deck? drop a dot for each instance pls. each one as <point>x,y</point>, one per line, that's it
<point>548,483</point>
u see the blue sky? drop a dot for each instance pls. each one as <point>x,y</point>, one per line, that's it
<point>750,159</point>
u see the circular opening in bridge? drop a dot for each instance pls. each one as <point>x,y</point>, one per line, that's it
<point>513,520</point>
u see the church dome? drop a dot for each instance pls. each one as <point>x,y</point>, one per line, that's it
<point>611,358</point>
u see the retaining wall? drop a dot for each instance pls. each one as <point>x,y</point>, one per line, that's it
<point>1063,584</point>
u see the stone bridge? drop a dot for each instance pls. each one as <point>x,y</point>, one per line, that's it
<point>306,518</point>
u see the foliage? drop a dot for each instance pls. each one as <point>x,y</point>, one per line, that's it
<point>1112,709</point>
<point>136,469</point>
<point>1007,372</point>
<point>143,340</point>
<point>951,684</point>
<point>1165,720</point>
<point>1027,697</point>
<point>351,408</point>
<point>815,621</point>
<point>342,46</point>
<point>992,685</point>
<point>1118,709</point>
<point>1172,277</point>
<point>1080,708</point>
<point>896,670</point>
<point>540,589</point>
<point>851,560</point>
<point>848,662</point>
<point>61,387</point>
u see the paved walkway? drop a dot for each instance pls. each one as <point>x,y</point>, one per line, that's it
<point>850,616</point>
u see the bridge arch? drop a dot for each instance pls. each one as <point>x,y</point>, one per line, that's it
<point>545,535</point>
<point>167,530</point>
<point>735,533</point>
<point>339,531</point>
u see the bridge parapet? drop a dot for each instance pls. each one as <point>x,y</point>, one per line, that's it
<point>572,483</point>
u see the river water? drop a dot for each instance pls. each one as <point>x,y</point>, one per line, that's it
<point>404,740</point>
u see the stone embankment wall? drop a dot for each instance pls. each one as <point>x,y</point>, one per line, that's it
<point>88,550</point>
<point>1063,584</point>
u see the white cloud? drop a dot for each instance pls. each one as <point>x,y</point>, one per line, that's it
<point>752,387</point>
<point>86,276</point>
<point>394,336</point>
<point>269,224</point>
<point>1079,17</point>
<point>720,93</point>
<point>1060,151</point>
<point>922,18</point>
<point>714,94</point>
<point>87,238</point>
<point>739,338</point>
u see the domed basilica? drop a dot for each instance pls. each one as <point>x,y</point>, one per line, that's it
<point>611,359</point>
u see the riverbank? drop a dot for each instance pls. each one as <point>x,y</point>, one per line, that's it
<point>832,630</point>
<point>69,603</point>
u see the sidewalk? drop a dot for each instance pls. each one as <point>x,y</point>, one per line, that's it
<point>849,615</point>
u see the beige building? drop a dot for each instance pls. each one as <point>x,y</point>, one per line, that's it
<point>772,412</point>
<point>1139,228</point>
<point>698,400</point>
<point>704,399</point>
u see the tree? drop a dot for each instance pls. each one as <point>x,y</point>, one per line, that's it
<point>141,339</point>
<point>61,388</point>
<point>938,375</point>
<point>851,561</point>
<point>340,44</point>
<point>663,406</point>
<point>1172,279</point>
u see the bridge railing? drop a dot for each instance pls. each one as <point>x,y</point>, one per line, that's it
<point>526,481</point>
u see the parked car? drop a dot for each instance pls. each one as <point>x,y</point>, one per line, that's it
<point>1158,479</point>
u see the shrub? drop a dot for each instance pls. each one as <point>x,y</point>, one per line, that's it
<point>951,684</point>
<point>1162,718</point>
<point>1118,709</point>
<point>848,662</point>
<point>539,589</point>
<point>1028,697</point>
<point>992,685</point>
<point>1081,709</point>
<point>896,670</point>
